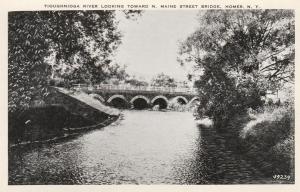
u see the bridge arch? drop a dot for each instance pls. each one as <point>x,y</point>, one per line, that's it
<point>116,96</point>
<point>193,100</point>
<point>98,97</point>
<point>140,102</point>
<point>140,97</point>
<point>161,101</point>
<point>118,101</point>
<point>181,100</point>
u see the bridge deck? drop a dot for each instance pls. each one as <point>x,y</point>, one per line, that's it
<point>143,89</point>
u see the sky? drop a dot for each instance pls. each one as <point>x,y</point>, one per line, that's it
<point>150,43</point>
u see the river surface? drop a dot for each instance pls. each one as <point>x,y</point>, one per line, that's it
<point>142,147</point>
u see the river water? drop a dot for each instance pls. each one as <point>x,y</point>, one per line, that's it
<point>142,147</point>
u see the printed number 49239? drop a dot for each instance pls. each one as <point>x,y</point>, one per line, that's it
<point>282,177</point>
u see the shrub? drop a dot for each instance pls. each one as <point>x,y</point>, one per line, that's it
<point>268,140</point>
<point>174,105</point>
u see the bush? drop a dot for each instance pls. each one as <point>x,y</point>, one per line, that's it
<point>268,140</point>
<point>174,105</point>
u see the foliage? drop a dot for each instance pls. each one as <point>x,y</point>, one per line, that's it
<point>118,75</point>
<point>162,80</point>
<point>27,72</point>
<point>183,84</point>
<point>76,46</point>
<point>239,54</point>
<point>135,82</point>
<point>268,139</point>
<point>175,106</point>
<point>119,72</point>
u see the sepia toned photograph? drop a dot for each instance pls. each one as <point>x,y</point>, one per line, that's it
<point>148,97</point>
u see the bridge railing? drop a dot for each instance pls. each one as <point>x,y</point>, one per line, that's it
<point>126,87</point>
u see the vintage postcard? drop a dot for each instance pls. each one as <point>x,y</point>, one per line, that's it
<point>149,95</point>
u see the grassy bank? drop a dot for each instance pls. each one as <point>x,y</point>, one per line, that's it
<point>267,140</point>
<point>47,123</point>
<point>261,142</point>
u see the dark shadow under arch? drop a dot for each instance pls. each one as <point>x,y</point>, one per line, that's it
<point>140,103</point>
<point>119,103</point>
<point>162,103</point>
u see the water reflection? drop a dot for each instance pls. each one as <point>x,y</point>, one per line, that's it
<point>145,147</point>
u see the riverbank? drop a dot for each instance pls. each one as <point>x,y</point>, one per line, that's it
<point>50,123</point>
<point>250,149</point>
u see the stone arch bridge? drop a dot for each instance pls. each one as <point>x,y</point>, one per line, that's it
<point>140,97</point>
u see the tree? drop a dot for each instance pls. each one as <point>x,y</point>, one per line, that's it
<point>136,82</point>
<point>118,72</point>
<point>239,55</point>
<point>163,80</point>
<point>76,46</point>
